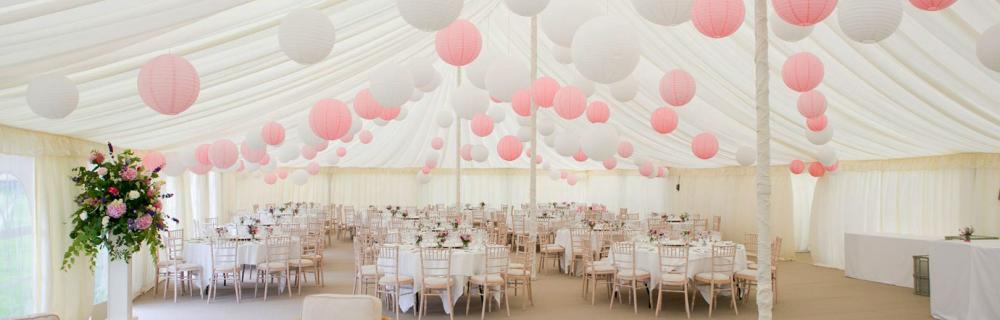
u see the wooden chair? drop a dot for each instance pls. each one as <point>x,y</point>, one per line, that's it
<point>723,261</point>
<point>673,274</point>
<point>308,260</point>
<point>717,223</point>
<point>225,266</point>
<point>750,243</point>
<point>747,279</point>
<point>178,270</point>
<point>627,274</point>
<point>549,250</point>
<point>437,278</point>
<point>519,272</point>
<point>275,266</point>
<point>594,273</point>
<point>492,281</point>
<point>390,282</point>
<point>700,225</point>
<point>580,246</point>
<point>365,272</point>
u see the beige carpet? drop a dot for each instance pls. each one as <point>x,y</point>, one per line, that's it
<point>805,292</point>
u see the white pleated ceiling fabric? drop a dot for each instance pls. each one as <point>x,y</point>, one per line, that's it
<point>920,92</point>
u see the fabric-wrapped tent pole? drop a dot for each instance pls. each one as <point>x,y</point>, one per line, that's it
<point>534,117</point>
<point>764,290</point>
<point>458,149</point>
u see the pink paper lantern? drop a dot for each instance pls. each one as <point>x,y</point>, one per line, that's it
<point>495,100</point>
<point>563,175</point>
<point>571,179</point>
<point>797,166</point>
<point>365,136</point>
<point>932,5</point>
<point>312,168</point>
<point>322,146</point>
<point>482,125</point>
<point>308,152</point>
<point>240,166</point>
<point>812,104</point>
<point>169,84</point>
<point>660,172</point>
<point>201,169</point>
<point>430,163</point>
<point>251,154</point>
<point>265,159</point>
<point>804,12</point>
<point>425,170</point>
<point>802,72</point>
<point>224,153</point>
<point>833,167</point>
<point>365,105</point>
<point>282,173</point>
<point>646,169</point>
<point>705,145</point>
<point>272,133</point>
<point>270,178</point>
<point>570,102</point>
<point>677,87</point>
<point>388,114</point>
<point>598,112</point>
<point>330,119</point>
<point>544,91</point>
<point>664,120</point>
<point>341,151</point>
<point>717,18</point>
<point>466,152</point>
<point>816,169</point>
<point>538,159</point>
<point>610,164</point>
<point>347,138</point>
<point>153,160</point>
<point>459,43</point>
<point>203,153</point>
<point>509,148</point>
<point>816,124</point>
<point>625,149</point>
<point>580,156</point>
<point>437,143</point>
<point>521,102</point>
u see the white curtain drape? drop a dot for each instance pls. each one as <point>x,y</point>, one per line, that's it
<point>803,188</point>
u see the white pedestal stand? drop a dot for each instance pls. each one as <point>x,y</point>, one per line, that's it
<point>119,290</point>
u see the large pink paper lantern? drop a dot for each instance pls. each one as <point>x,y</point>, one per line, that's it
<point>153,160</point>
<point>705,145</point>
<point>365,136</point>
<point>203,153</point>
<point>660,172</point>
<point>322,146</point>
<point>270,178</point>
<point>169,84</point>
<point>543,90</point>
<point>610,164</point>
<point>664,120</point>
<point>598,112</point>
<point>308,152</point>
<point>833,167</point>
<point>466,152</point>
<point>625,149</point>
<point>388,114</point>
<point>251,154</point>
<point>812,104</point>
<point>330,119</point>
<point>804,12</point>
<point>646,168</point>
<point>347,138</point>
<point>932,5</point>
<point>797,166</point>
<point>509,148</point>
<point>312,168</point>
<point>482,125</point>
<point>365,105</point>
<point>341,151</point>
<point>224,153</point>
<point>521,102</point>
<point>570,102</point>
<point>425,170</point>
<point>282,173</point>
<point>717,18</point>
<point>816,124</point>
<point>802,72</point>
<point>677,87</point>
<point>580,156</point>
<point>816,169</point>
<point>571,179</point>
<point>272,133</point>
<point>437,143</point>
<point>201,169</point>
<point>459,43</point>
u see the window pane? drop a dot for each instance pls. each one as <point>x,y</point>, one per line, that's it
<point>16,236</point>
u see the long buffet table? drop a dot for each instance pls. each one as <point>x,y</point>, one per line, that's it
<point>965,279</point>
<point>883,257</point>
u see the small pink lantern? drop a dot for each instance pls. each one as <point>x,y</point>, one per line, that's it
<point>224,153</point>
<point>538,159</point>
<point>312,168</point>
<point>282,173</point>
<point>153,160</point>
<point>610,164</point>
<point>347,138</point>
<point>705,145</point>
<point>240,166</point>
<point>544,91</point>
<point>201,169</point>
<point>571,179</point>
<point>265,159</point>
<point>509,148</point>
<point>570,102</point>
<point>251,154</point>
<point>459,43</point>
<point>521,102</point>
<point>466,152</point>
<point>365,136</point>
<point>169,84</point>
<point>580,156</point>
<point>365,105</point>
<point>308,152</point>
<point>804,12</point>
<point>646,169</point>
<point>802,72</point>
<point>270,178</point>
<point>322,146</point>
<point>932,5</point>
<point>341,151</point>
<point>563,174</point>
<point>664,120</point>
<point>388,114</point>
<point>677,87</point>
<point>330,119</point>
<point>816,124</point>
<point>625,149</point>
<point>797,166</point>
<point>660,172</point>
<point>811,104</point>
<point>717,18</point>
<point>203,153</point>
<point>430,163</point>
<point>833,167</point>
<point>425,170</point>
<point>482,125</point>
<point>437,143</point>
<point>816,169</point>
<point>272,133</point>
<point>598,112</point>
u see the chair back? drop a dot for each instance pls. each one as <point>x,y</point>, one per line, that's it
<point>673,259</point>
<point>717,223</point>
<point>750,243</point>
<point>723,258</point>
<point>623,255</point>
<point>225,253</point>
<point>387,264</point>
<point>174,242</point>
<point>497,259</point>
<point>279,249</point>
<point>580,241</point>
<point>524,252</point>
<point>435,262</point>
<point>700,225</point>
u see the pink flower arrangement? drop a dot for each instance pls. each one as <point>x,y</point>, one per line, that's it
<point>144,222</point>
<point>129,174</point>
<point>116,208</point>
<point>97,157</point>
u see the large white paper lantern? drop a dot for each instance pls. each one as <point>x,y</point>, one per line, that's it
<point>869,21</point>
<point>422,71</point>
<point>390,84</point>
<point>417,94</point>
<point>988,48</point>
<point>443,118</point>
<point>550,140</point>
<point>567,144</point>
<point>476,71</point>
<point>664,12</point>
<point>584,85</point>
<point>624,90</point>
<point>496,113</point>
<point>299,177</point>
<point>827,156</point>
<point>526,8</point>
<point>523,121</point>
<point>331,157</point>
<point>820,137</point>
<point>423,178</point>
<point>479,153</point>
<point>600,141</point>
<point>605,50</point>
<point>288,152</point>
<point>435,82</point>
<point>787,31</point>
<point>506,75</point>
<point>545,128</point>
<point>563,17</point>
<point>306,35</point>
<point>469,101</point>
<point>174,165</point>
<point>307,135</point>
<point>562,54</point>
<point>746,156</point>
<point>554,175</point>
<point>254,139</point>
<point>52,96</point>
<point>429,15</point>
<point>524,134</point>
<point>356,125</point>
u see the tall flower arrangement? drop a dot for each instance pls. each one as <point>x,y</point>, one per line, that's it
<point>120,208</point>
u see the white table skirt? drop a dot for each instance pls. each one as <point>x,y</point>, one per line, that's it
<point>464,263</point>
<point>564,238</point>
<point>882,257</point>
<point>250,253</point>
<point>699,260</point>
<point>965,279</point>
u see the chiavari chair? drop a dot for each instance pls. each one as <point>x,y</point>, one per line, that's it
<point>436,280</point>
<point>519,272</point>
<point>225,266</point>
<point>750,243</point>
<point>548,249</point>
<point>673,275</point>
<point>593,272</point>
<point>390,282</point>
<point>365,273</point>
<point>275,266</point>
<point>492,281</point>
<point>717,223</point>
<point>747,279</point>
<point>176,268</point>
<point>721,275</point>
<point>628,275</point>
<point>308,260</point>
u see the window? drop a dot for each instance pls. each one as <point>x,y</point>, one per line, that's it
<point>17,276</point>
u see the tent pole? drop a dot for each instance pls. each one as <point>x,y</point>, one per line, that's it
<point>534,115</point>
<point>763,178</point>
<point>458,149</point>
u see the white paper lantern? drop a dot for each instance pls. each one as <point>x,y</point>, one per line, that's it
<point>562,54</point>
<point>417,94</point>
<point>506,75</point>
<point>988,48</point>
<point>380,122</point>
<point>174,165</point>
<point>429,15</point>
<point>496,113</point>
<point>787,31</point>
<point>746,156</point>
<point>524,134</point>
<point>331,157</point>
<point>469,101</point>
<point>423,178</point>
<point>270,167</point>
<point>664,12</point>
<point>307,135</point>
<point>550,140</point>
<point>526,8</point>
<point>869,21</point>
<point>600,141</point>
<point>402,114</point>
<point>299,177</point>
<point>254,140</point>
<point>356,124</point>
<point>250,167</point>
<point>563,17</point>
<point>554,175</point>
<point>545,128</point>
<point>546,166</point>
<point>476,71</point>
<point>435,82</point>
<point>624,90</point>
<point>827,156</point>
<point>443,118</point>
<point>820,137</point>
<point>567,144</point>
<point>52,96</point>
<point>288,153</point>
<point>188,158</point>
<point>479,153</point>
<point>523,121</point>
<point>584,85</point>
<point>390,84</point>
<point>306,35</point>
<point>605,50</point>
<point>422,71</point>
<point>431,159</point>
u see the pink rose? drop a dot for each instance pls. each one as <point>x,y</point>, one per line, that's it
<point>129,174</point>
<point>116,208</point>
<point>102,171</point>
<point>144,222</point>
<point>113,190</point>
<point>97,157</point>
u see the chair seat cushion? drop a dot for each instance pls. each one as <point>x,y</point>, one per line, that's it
<point>552,248</point>
<point>273,266</point>
<point>600,269</point>
<point>437,282</point>
<point>486,279</point>
<point>629,273</point>
<point>167,263</point>
<point>301,263</point>
<point>747,275</point>
<point>715,277</point>
<point>753,265</point>
<point>225,267</point>
<point>673,279</point>
<point>515,265</point>
<point>518,272</point>
<point>403,280</point>
<point>184,267</point>
<point>368,270</point>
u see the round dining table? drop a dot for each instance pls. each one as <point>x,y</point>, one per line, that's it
<point>249,253</point>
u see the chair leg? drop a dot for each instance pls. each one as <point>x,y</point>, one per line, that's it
<point>288,282</point>
<point>659,301</point>
<point>711,298</point>
<point>732,296</point>
<point>687,308</point>
<point>635,302</point>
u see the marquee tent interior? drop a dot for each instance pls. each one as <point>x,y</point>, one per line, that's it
<point>883,126</point>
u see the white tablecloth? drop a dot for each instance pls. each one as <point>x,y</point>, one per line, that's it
<point>883,257</point>
<point>699,260</point>
<point>464,263</point>
<point>965,279</point>
<point>250,253</point>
